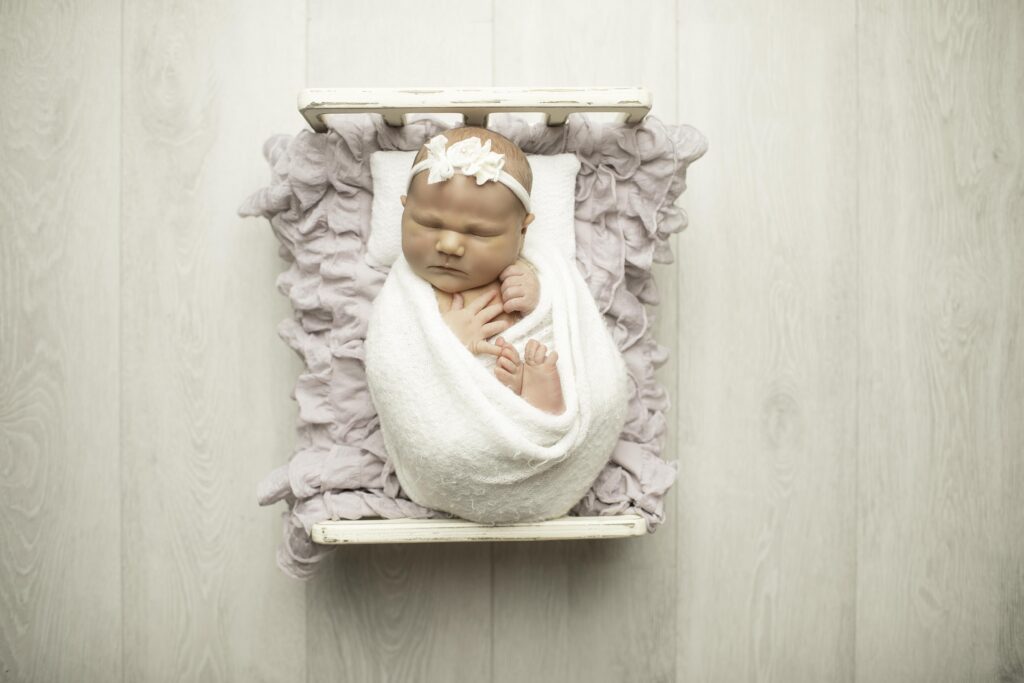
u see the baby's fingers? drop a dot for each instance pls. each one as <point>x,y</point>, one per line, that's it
<point>480,302</point>
<point>491,329</point>
<point>514,277</point>
<point>490,311</point>
<point>484,347</point>
<point>516,304</point>
<point>511,271</point>
<point>510,291</point>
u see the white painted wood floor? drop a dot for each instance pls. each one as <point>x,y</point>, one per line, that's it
<point>845,316</point>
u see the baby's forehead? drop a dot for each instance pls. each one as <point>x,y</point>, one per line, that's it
<point>462,194</point>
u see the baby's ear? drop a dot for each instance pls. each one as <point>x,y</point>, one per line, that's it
<point>529,219</point>
<point>403,200</point>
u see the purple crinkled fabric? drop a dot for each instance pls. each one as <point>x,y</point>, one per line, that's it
<point>318,204</point>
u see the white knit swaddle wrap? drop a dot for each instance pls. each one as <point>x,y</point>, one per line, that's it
<point>464,443</point>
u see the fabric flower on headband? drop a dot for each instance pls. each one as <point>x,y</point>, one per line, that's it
<point>473,158</point>
<point>468,155</point>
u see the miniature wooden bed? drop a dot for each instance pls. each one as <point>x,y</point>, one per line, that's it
<point>474,105</point>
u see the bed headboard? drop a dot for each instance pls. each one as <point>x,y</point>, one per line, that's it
<point>475,104</point>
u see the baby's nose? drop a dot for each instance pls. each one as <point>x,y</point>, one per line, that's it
<point>448,243</point>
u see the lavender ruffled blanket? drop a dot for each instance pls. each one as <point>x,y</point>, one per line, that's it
<point>318,204</point>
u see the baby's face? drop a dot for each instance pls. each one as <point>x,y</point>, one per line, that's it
<point>475,230</point>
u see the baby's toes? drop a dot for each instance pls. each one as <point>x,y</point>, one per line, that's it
<point>508,351</point>
<point>539,354</point>
<point>551,360</point>
<point>504,376</point>
<point>535,352</point>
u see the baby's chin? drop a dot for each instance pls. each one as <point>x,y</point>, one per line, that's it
<point>448,287</point>
<point>451,284</point>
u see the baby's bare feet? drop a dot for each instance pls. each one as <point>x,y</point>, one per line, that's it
<point>541,386</point>
<point>508,368</point>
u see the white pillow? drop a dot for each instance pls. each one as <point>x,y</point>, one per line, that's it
<point>553,199</point>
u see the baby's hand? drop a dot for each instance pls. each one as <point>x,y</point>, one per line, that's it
<point>520,288</point>
<point>472,324</point>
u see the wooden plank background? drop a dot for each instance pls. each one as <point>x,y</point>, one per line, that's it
<point>845,319</point>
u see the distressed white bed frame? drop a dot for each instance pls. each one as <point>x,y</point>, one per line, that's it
<point>475,105</point>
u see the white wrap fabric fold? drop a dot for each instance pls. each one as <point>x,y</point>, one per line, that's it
<point>464,443</point>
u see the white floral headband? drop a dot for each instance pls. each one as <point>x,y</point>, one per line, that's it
<point>470,158</point>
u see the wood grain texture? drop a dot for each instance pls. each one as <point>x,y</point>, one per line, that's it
<point>941,531</point>
<point>768,329</point>
<point>206,380</point>
<point>60,520</point>
<point>421,612</point>
<point>406,612</point>
<point>592,610</point>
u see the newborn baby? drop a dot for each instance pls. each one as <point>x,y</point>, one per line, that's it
<point>465,238</point>
<point>460,441</point>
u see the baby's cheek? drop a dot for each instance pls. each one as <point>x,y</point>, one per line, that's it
<point>416,242</point>
<point>510,253</point>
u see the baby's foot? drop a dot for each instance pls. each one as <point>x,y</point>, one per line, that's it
<point>508,368</point>
<point>541,386</point>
